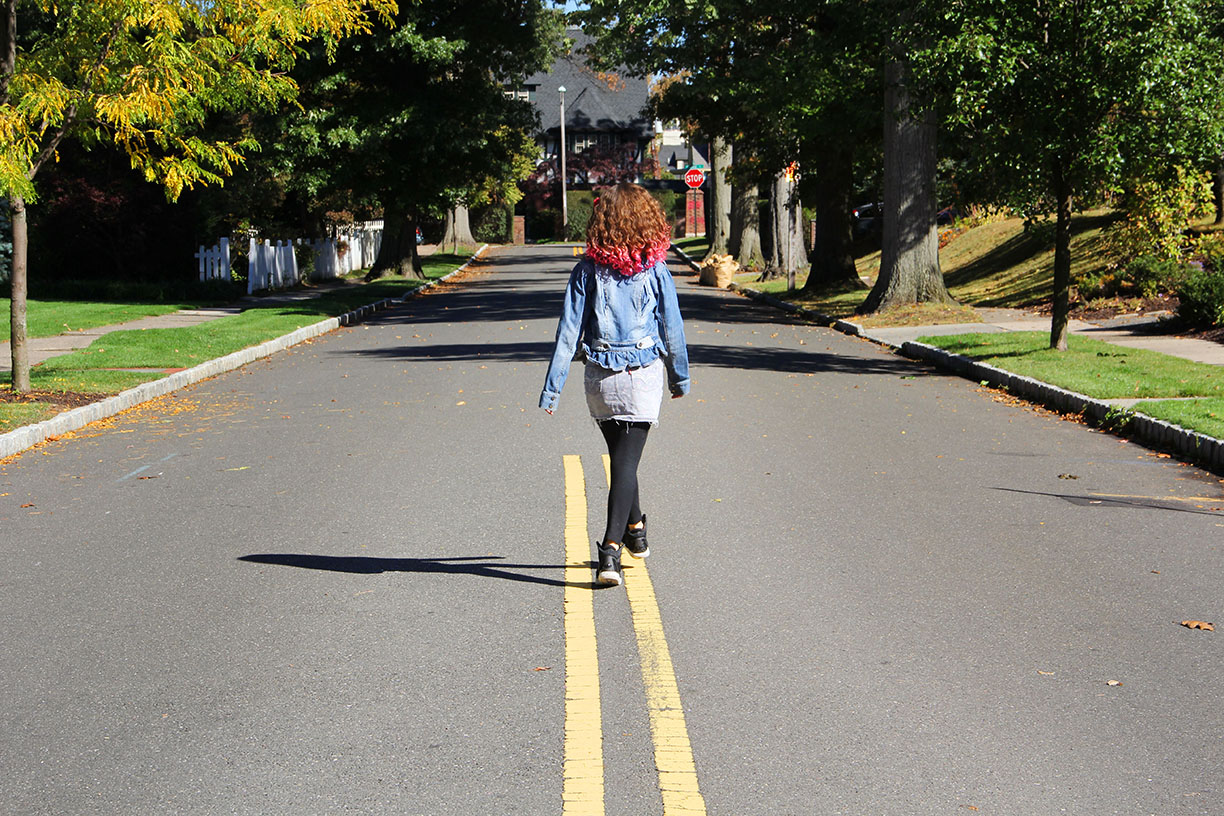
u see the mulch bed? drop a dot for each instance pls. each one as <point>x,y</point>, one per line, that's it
<point>61,400</point>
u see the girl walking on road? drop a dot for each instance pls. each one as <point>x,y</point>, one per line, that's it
<point>620,305</point>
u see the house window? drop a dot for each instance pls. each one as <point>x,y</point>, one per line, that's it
<point>525,93</point>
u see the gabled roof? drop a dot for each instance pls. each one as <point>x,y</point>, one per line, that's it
<point>594,101</point>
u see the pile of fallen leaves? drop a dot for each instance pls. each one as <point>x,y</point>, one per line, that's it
<point>718,270</point>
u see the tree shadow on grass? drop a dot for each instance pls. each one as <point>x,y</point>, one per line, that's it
<point>1014,252</point>
<point>491,566</point>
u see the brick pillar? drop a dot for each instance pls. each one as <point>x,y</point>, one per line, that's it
<point>520,229</point>
<point>694,213</point>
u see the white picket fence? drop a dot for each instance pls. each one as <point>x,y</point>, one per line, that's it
<point>273,264</point>
<point>353,248</point>
<point>215,262</point>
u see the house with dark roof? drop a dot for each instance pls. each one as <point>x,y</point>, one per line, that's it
<point>604,109</point>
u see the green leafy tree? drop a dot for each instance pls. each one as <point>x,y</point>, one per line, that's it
<point>144,75</point>
<point>418,120</point>
<point>1058,98</point>
<point>783,81</point>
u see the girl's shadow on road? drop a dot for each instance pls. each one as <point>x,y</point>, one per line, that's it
<point>490,566</point>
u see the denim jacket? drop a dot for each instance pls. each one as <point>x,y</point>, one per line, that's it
<point>621,322</point>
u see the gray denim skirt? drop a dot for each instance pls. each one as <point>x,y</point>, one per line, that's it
<point>633,395</point>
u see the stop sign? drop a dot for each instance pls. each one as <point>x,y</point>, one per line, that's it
<point>694,177</point>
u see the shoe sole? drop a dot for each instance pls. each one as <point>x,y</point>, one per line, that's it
<point>609,578</point>
<point>641,554</point>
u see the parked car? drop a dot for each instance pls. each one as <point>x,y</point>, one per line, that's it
<point>868,217</point>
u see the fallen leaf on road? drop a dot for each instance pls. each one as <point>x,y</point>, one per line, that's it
<point>1197,624</point>
<point>27,505</point>
<point>244,467</point>
<point>1067,476</point>
<point>1046,674</point>
<point>543,668</point>
<point>461,402</point>
<point>1113,682</point>
<point>143,478</point>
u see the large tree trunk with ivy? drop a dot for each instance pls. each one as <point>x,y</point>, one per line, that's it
<point>909,260</point>
<point>1062,261</point>
<point>832,254</point>
<point>745,244</point>
<point>397,255</point>
<point>458,232</point>
<point>720,229</point>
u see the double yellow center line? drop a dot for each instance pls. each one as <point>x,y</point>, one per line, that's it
<point>583,784</point>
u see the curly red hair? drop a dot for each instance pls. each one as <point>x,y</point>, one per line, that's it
<point>628,230</point>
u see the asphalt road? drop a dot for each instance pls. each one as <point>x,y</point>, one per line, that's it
<point>331,582</point>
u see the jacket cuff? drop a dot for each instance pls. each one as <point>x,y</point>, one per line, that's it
<point>548,399</point>
<point>680,387</point>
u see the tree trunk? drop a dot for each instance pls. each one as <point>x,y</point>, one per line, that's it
<point>458,230</point>
<point>398,253</point>
<point>17,304</point>
<point>909,260</point>
<point>745,242</point>
<point>720,163</point>
<point>787,253</point>
<point>1062,262</point>
<point>832,256</point>
<point>1217,190</point>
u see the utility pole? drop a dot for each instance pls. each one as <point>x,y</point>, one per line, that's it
<point>564,203</point>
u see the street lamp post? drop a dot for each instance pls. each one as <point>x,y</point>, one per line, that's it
<point>561,150</point>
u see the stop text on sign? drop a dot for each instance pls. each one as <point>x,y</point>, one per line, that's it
<point>694,178</point>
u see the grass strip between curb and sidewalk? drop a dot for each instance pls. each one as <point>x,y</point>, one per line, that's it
<point>1091,367</point>
<point>1200,446</point>
<point>1204,415</point>
<point>209,349</point>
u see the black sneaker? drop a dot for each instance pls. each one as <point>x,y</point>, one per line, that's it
<point>609,565</point>
<point>635,541</point>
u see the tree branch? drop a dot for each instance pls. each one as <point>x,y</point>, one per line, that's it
<point>8,48</point>
<point>70,113</point>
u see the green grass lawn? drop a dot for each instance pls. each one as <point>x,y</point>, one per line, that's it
<point>996,264</point>
<point>1202,415</point>
<point>14,415</point>
<point>696,247</point>
<point>89,370</point>
<point>47,318</point>
<point>1090,367</point>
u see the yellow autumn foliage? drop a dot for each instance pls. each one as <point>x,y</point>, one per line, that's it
<point>145,74</point>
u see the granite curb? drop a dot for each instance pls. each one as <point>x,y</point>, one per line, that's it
<point>28,436</point>
<point>1192,446</point>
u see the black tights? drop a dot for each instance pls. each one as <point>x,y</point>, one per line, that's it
<point>625,443</point>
